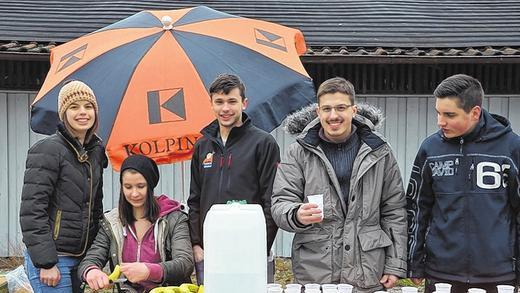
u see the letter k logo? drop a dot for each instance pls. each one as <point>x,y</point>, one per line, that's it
<point>166,106</point>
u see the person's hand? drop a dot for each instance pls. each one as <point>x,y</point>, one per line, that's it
<point>388,281</point>
<point>135,272</point>
<point>50,277</point>
<point>417,281</point>
<point>198,253</point>
<point>97,279</point>
<point>308,213</point>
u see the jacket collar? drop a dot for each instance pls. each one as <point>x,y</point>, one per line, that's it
<point>211,131</point>
<point>310,135</point>
<point>80,150</point>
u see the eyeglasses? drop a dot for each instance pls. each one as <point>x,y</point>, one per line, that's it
<point>338,108</point>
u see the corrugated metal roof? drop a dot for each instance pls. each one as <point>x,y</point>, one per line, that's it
<point>387,24</point>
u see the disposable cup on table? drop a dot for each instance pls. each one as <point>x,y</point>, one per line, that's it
<point>312,286</point>
<point>329,286</point>
<point>409,289</point>
<point>345,288</point>
<point>294,286</point>
<point>274,285</point>
<point>442,288</point>
<point>505,289</point>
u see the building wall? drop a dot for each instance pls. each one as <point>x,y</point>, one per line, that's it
<point>409,119</point>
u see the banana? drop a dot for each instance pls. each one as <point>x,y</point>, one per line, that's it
<point>170,289</point>
<point>115,274</point>
<point>189,288</point>
<point>201,289</point>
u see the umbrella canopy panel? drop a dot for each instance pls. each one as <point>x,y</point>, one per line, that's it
<point>151,71</point>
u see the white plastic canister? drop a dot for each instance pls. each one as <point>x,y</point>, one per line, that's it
<point>235,249</point>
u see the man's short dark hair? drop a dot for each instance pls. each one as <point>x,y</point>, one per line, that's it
<point>466,89</point>
<point>224,83</point>
<point>337,85</point>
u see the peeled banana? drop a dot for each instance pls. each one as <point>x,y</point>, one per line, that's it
<point>115,274</point>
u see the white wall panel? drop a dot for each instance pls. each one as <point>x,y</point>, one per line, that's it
<point>408,121</point>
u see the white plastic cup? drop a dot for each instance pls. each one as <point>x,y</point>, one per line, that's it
<point>292,290</point>
<point>312,291</point>
<point>298,287</point>
<point>274,285</point>
<point>317,199</point>
<point>345,288</point>
<point>312,286</point>
<point>443,288</point>
<point>330,291</point>
<point>274,290</point>
<point>409,289</point>
<point>329,286</point>
<point>476,290</point>
<point>505,289</point>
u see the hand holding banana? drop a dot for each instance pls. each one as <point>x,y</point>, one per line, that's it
<point>97,279</point>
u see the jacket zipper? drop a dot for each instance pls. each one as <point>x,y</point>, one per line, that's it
<point>468,258</point>
<point>221,172</point>
<point>89,206</point>
<point>138,258</point>
<point>57,223</point>
<point>83,159</point>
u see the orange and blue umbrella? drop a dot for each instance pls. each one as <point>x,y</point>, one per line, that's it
<point>151,72</point>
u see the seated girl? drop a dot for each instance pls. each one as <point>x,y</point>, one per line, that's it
<point>147,236</point>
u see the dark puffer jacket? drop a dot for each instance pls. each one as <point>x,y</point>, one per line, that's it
<point>61,197</point>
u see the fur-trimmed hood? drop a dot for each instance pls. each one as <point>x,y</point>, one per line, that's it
<point>296,122</point>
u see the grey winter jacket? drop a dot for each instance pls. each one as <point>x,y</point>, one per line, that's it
<point>173,240</point>
<point>355,246</point>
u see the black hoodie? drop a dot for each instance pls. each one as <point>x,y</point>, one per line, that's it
<point>462,205</point>
<point>243,169</point>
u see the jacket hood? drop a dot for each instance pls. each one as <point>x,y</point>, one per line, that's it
<point>167,205</point>
<point>489,127</point>
<point>297,121</point>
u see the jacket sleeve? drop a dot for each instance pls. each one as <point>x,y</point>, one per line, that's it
<point>40,179</point>
<point>393,218</point>
<point>99,253</point>
<point>178,269</point>
<point>419,198</point>
<point>268,158</point>
<point>288,189</point>
<point>194,199</point>
<point>514,196</point>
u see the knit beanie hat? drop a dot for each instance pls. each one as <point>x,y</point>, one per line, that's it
<point>74,91</point>
<point>144,165</point>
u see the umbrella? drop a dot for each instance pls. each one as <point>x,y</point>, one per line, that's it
<point>151,71</point>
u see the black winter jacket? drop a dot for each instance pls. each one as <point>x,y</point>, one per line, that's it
<point>61,197</point>
<point>462,205</point>
<point>243,169</point>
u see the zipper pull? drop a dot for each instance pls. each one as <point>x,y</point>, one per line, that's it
<point>461,143</point>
